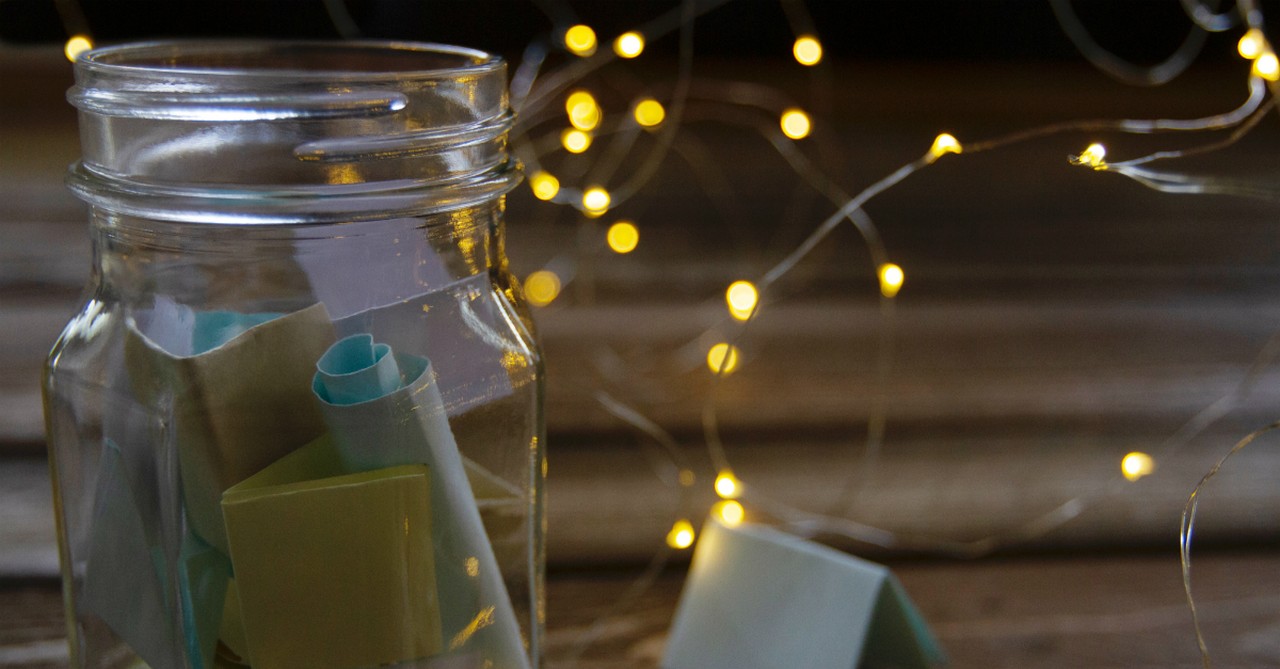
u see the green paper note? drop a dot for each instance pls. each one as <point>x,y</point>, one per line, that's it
<point>333,571</point>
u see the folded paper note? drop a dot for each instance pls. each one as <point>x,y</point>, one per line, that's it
<point>378,420</point>
<point>239,392</point>
<point>333,570</point>
<point>126,583</point>
<point>758,598</point>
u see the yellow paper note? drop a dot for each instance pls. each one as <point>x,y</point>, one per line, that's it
<point>333,572</point>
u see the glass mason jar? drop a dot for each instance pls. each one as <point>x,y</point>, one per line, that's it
<point>297,421</point>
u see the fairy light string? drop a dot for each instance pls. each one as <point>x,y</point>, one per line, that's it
<point>723,363</point>
<point>1186,531</point>
<point>533,92</point>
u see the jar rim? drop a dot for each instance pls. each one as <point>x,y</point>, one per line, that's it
<point>258,131</point>
<point>241,58</point>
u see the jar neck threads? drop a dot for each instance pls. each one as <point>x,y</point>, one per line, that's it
<point>290,133</point>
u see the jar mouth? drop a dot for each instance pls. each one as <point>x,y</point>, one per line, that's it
<point>328,61</point>
<point>304,131</point>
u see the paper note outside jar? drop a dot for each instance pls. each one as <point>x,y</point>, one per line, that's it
<point>401,420</point>
<point>236,407</point>
<point>759,598</point>
<point>334,571</point>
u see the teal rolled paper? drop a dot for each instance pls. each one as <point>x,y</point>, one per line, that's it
<point>384,409</point>
<point>356,370</point>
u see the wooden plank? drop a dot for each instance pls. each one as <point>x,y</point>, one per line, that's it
<point>608,503</point>
<point>1031,613</point>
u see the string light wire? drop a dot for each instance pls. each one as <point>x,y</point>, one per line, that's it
<point>1186,531</point>
<point>1117,67</point>
<point>530,93</point>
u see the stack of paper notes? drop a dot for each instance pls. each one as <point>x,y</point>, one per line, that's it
<point>326,520</point>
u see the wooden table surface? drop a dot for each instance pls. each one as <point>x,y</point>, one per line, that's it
<point>1053,320</point>
<point>1027,613</point>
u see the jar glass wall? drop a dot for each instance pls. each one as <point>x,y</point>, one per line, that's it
<point>297,421</point>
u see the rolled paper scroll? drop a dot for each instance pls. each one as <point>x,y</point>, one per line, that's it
<point>405,423</point>
<point>126,582</point>
<point>238,405</point>
<point>333,570</point>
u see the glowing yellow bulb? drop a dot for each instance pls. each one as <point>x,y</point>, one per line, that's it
<point>727,485</point>
<point>944,144</point>
<point>595,201</point>
<point>681,535</point>
<point>544,185</point>
<point>580,40</point>
<point>1095,156</point>
<point>741,298</point>
<point>1252,44</point>
<point>649,113</point>
<point>1267,67</point>
<point>575,141</point>
<point>541,287</point>
<point>722,355</point>
<point>795,124</point>
<point>629,44</point>
<point>585,115</point>
<point>577,99</point>
<point>623,237</point>
<point>729,512</point>
<point>77,45</point>
<point>891,278</point>
<point>1137,465</point>
<point>807,50</point>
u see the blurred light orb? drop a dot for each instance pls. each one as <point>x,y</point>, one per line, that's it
<point>891,278</point>
<point>623,237</point>
<point>584,113</point>
<point>544,185</point>
<point>541,287</point>
<point>575,141</point>
<point>724,356</point>
<point>580,40</point>
<point>1252,44</point>
<point>727,486</point>
<point>77,45</point>
<point>1267,66</point>
<point>807,50</point>
<point>1136,465</point>
<point>629,44</point>
<point>681,535</point>
<point>795,124</point>
<point>595,201</point>
<point>741,296</point>
<point>730,512</point>
<point>649,113</point>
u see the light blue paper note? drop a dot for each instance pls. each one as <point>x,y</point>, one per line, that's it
<point>758,598</point>
<point>402,420</point>
<point>125,582</point>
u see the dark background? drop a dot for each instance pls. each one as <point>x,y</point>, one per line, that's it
<point>1143,30</point>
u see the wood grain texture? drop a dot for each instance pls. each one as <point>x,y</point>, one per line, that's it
<point>1030,613</point>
